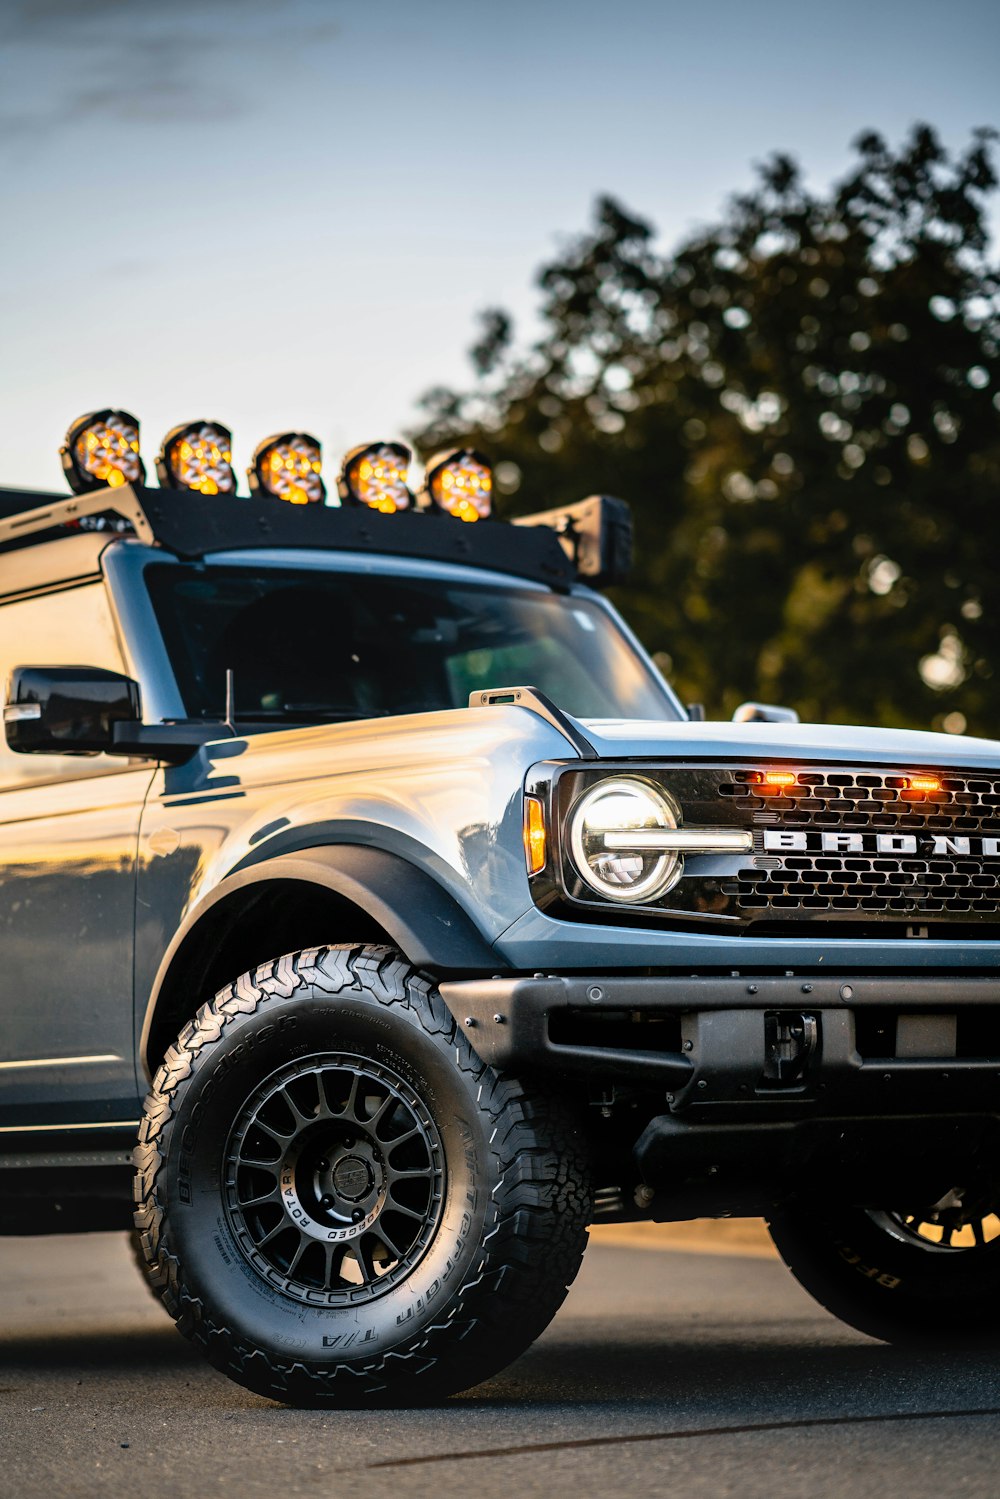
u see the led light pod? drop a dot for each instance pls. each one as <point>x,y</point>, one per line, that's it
<point>197,456</point>
<point>289,466</point>
<point>459,482</point>
<point>102,449</point>
<point>375,475</point>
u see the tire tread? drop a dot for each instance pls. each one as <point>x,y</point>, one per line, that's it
<point>541,1201</point>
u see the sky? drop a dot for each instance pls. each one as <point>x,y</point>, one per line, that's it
<point>287,213</point>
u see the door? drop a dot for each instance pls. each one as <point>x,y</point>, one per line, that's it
<point>68,835</point>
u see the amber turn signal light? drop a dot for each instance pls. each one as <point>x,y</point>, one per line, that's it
<point>534,834</point>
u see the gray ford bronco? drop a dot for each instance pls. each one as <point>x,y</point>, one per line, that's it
<point>366,978</point>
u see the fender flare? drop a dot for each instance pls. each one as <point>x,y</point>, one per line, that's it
<point>419,916</point>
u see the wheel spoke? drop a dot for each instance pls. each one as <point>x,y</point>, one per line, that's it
<point>390,1102</point>
<point>333,1253</point>
<point>300,1118</point>
<point>397,1207</point>
<point>412,1173</point>
<point>364,1257</point>
<point>304,1243</point>
<point>390,1244</point>
<point>273,1166</point>
<point>390,1145</point>
<point>257,1202</point>
<point>350,1109</point>
<point>279,1228</point>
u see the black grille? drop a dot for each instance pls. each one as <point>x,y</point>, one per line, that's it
<point>932,883</point>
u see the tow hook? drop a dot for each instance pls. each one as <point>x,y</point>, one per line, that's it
<point>790,1040</point>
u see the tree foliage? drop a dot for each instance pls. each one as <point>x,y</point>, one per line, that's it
<point>801,403</point>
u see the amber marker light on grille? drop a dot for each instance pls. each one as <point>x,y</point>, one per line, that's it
<point>197,456</point>
<point>102,448</point>
<point>289,466</point>
<point>770,782</point>
<point>459,483</point>
<point>375,475</point>
<point>916,787</point>
<point>534,834</point>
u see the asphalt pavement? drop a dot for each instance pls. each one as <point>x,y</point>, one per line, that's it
<point>666,1373</point>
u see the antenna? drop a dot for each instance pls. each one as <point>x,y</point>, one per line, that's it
<point>231,701</point>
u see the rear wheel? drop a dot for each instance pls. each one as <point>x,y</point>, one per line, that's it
<point>927,1276</point>
<point>339,1202</point>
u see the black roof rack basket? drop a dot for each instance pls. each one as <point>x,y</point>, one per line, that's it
<point>192,526</point>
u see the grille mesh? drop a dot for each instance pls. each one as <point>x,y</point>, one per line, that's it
<point>927,885</point>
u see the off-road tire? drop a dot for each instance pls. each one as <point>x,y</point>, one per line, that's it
<point>513,1213</point>
<point>897,1291</point>
<point>138,1257</point>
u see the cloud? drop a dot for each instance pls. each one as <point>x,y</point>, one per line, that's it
<point>67,63</point>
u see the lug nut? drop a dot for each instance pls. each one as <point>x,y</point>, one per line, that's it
<point>326,1202</point>
<point>324,1165</point>
<point>357,1215</point>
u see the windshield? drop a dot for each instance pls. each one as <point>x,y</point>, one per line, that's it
<point>305,644</point>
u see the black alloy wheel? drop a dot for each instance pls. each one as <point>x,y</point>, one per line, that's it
<point>338,1202</point>
<point>334,1180</point>
<point>927,1276</point>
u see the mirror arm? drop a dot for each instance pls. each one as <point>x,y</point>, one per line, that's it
<point>172,742</point>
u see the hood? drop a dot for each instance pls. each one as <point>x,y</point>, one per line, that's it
<point>848,744</point>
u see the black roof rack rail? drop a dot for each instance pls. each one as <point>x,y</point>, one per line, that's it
<point>192,526</point>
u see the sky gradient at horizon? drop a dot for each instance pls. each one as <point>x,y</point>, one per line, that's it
<point>282,213</point>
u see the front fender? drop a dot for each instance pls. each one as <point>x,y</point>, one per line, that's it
<point>417,915</point>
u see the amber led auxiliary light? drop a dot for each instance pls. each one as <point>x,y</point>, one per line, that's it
<point>459,482</point>
<point>197,456</point>
<point>289,466</point>
<point>102,449</point>
<point>375,475</point>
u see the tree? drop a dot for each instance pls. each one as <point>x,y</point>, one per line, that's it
<point>802,404</point>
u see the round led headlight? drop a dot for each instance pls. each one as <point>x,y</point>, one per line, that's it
<point>102,448</point>
<point>611,829</point>
<point>197,456</point>
<point>375,475</point>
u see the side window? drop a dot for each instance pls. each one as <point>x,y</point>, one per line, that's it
<point>70,628</point>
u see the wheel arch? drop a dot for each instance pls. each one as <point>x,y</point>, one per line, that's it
<point>345,893</point>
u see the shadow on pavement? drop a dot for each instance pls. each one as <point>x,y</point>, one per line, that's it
<point>720,1372</point>
<point>139,1351</point>
<point>723,1371</point>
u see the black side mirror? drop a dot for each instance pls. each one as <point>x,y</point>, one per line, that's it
<point>67,710</point>
<point>764,713</point>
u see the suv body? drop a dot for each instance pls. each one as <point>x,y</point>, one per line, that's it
<point>801,1021</point>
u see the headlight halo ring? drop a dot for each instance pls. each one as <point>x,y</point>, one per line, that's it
<point>667,866</point>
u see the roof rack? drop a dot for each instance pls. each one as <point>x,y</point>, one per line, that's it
<point>191,526</point>
<point>56,512</point>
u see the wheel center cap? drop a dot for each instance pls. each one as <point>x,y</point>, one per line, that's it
<point>353,1178</point>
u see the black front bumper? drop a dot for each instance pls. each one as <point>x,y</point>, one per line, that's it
<point>763,1045</point>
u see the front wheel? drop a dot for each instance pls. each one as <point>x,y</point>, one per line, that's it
<point>928,1276</point>
<point>339,1202</point>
